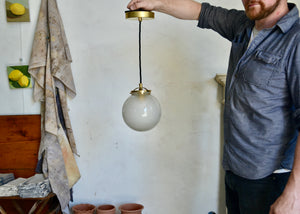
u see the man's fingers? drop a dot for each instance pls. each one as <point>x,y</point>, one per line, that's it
<point>133,5</point>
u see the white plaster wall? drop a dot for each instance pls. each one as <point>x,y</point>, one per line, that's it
<point>174,168</point>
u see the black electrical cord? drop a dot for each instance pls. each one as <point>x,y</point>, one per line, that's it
<point>140,50</point>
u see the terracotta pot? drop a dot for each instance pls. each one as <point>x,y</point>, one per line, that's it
<point>131,208</point>
<point>83,209</point>
<point>106,209</point>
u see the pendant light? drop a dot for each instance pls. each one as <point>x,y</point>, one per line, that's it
<point>141,111</point>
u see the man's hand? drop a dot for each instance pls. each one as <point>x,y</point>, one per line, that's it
<point>289,201</point>
<point>286,205</point>
<point>142,4</point>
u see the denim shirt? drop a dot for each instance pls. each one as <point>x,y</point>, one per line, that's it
<point>262,98</point>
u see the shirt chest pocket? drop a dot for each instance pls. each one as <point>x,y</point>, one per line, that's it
<point>260,68</point>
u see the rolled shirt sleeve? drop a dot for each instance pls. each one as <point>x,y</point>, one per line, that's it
<point>293,76</point>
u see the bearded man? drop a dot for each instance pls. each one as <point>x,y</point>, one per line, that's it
<point>262,100</point>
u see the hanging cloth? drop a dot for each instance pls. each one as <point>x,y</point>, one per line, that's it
<point>50,67</point>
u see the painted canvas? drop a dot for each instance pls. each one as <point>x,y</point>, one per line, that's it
<point>19,77</point>
<point>17,11</point>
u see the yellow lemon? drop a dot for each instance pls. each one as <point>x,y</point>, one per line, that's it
<point>23,81</point>
<point>15,75</point>
<point>17,9</point>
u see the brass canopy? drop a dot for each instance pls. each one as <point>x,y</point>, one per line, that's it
<point>140,90</point>
<point>139,14</point>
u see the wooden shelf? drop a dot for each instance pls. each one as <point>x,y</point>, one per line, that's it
<point>16,204</point>
<point>30,199</point>
<point>20,137</point>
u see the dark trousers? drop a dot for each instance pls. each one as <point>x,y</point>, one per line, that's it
<point>244,196</point>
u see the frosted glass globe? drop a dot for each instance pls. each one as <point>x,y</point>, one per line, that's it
<point>141,112</point>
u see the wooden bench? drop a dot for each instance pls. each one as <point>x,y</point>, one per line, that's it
<point>19,144</point>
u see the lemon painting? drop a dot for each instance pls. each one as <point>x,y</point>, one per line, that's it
<point>17,10</point>
<point>19,77</point>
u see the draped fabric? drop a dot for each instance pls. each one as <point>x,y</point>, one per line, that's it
<point>50,66</point>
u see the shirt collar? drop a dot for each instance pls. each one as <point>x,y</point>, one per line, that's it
<point>286,22</point>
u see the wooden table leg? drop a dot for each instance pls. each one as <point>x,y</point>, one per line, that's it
<point>17,206</point>
<point>2,211</point>
<point>44,203</point>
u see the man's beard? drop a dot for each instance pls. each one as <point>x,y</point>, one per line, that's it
<point>263,12</point>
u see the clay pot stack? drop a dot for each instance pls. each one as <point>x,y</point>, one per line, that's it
<point>130,208</point>
<point>106,209</point>
<point>84,209</point>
